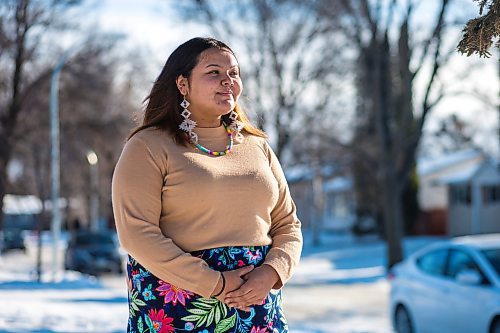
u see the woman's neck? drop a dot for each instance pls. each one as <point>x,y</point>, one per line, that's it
<point>208,123</point>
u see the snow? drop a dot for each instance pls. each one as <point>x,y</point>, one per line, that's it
<point>338,184</point>
<point>429,165</point>
<point>18,204</point>
<point>339,287</point>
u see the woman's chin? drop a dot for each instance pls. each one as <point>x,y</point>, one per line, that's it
<point>226,109</point>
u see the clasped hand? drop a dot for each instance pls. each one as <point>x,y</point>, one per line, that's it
<point>248,286</point>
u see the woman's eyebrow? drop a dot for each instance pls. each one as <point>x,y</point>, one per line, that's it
<point>216,65</point>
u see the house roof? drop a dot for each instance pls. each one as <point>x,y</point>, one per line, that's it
<point>426,166</point>
<point>337,184</point>
<point>21,204</point>
<point>461,176</point>
<point>468,174</point>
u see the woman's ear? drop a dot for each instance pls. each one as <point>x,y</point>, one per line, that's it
<point>182,85</point>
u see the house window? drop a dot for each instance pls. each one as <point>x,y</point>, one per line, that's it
<point>460,194</point>
<point>491,194</point>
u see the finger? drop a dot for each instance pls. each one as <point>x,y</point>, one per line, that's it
<point>244,270</point>
<point>237,301</point>
<point>241,301</point>
<point>257,301</point>
<point>242,291</point>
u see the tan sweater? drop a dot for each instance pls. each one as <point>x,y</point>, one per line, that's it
<point>169,200</point>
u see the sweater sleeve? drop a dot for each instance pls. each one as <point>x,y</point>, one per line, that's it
<point>136,196</point>
<point>285,230</point>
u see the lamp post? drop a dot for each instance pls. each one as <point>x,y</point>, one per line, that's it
<point>55,159</point>
<point>55,162</point>
<point>94,188</point>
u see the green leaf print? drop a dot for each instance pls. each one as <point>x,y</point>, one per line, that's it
<point>191,318</point>
<point>205,311</point>
<point>140,325</point>
<point>202,305</point>
<point>198,311</point>
<point>150,324</point>
<point>225,324</point>
<point>211,315</point>
<point>217,316</point>
<point>135,303</point>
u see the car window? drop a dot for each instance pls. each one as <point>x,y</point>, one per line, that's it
<point>94,239</point>
<point>433,262</point>
<point>459,261</point>
<point>493,256</point>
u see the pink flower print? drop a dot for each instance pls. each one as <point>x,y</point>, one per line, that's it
<point>161,322</point>
<point>253,258</point>
<point>173,294</point>
<point>241,263</point>
<point>258,330</point>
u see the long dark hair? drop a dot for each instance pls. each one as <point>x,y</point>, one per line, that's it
<point>162,109</point>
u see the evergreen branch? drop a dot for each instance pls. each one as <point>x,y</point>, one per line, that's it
<point>480,32</point>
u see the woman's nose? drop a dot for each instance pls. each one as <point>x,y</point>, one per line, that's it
<point>227,81</point>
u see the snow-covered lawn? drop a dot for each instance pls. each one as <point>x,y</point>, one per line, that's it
<point>339,287</point>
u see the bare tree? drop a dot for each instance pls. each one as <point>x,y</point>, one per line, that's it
<point>96,114</point>
<point>22,24</point>
<point>291,60</point>
<point>389,60</point>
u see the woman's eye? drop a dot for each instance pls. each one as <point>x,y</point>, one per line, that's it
<point>234,74</point>
<point>213,72</point>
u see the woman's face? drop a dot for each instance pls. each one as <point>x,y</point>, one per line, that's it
<point>213,88</point>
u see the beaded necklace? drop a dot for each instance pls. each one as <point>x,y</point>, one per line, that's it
<point>217,153</point>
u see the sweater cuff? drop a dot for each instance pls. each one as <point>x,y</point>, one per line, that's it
<point>212,282</point>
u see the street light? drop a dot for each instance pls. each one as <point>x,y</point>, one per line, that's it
<point>94,196</point>
<point>55,159</point>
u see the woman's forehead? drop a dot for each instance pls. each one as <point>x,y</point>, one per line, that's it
<point>217,57</point>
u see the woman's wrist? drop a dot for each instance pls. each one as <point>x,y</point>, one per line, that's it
<point>273,275</point>
<point>221,285</point>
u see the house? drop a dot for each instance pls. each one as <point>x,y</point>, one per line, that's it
<point>339,204</point>
<point>328,190</point>
<point>474,200</point>
<point>459,194</point>
<point>433,190</point>
<point>20,211</point>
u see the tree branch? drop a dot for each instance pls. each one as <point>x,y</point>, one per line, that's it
<point>436,32</point>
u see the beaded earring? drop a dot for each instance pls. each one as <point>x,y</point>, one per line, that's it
<point>236,125</point>
<point>187,124</point>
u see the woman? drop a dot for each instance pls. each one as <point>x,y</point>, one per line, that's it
<point>202,206</point>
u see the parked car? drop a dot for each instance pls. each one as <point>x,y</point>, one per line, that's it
<point>451,286</point>
<point>93,253</point>
<point>13,239</point>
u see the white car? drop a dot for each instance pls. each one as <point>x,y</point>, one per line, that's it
<point>451,286</point>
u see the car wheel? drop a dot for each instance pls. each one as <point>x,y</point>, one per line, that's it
<point>495,328</point>
<point>402,321</point>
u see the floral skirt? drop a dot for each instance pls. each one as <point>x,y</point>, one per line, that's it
<point>156,306</point>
